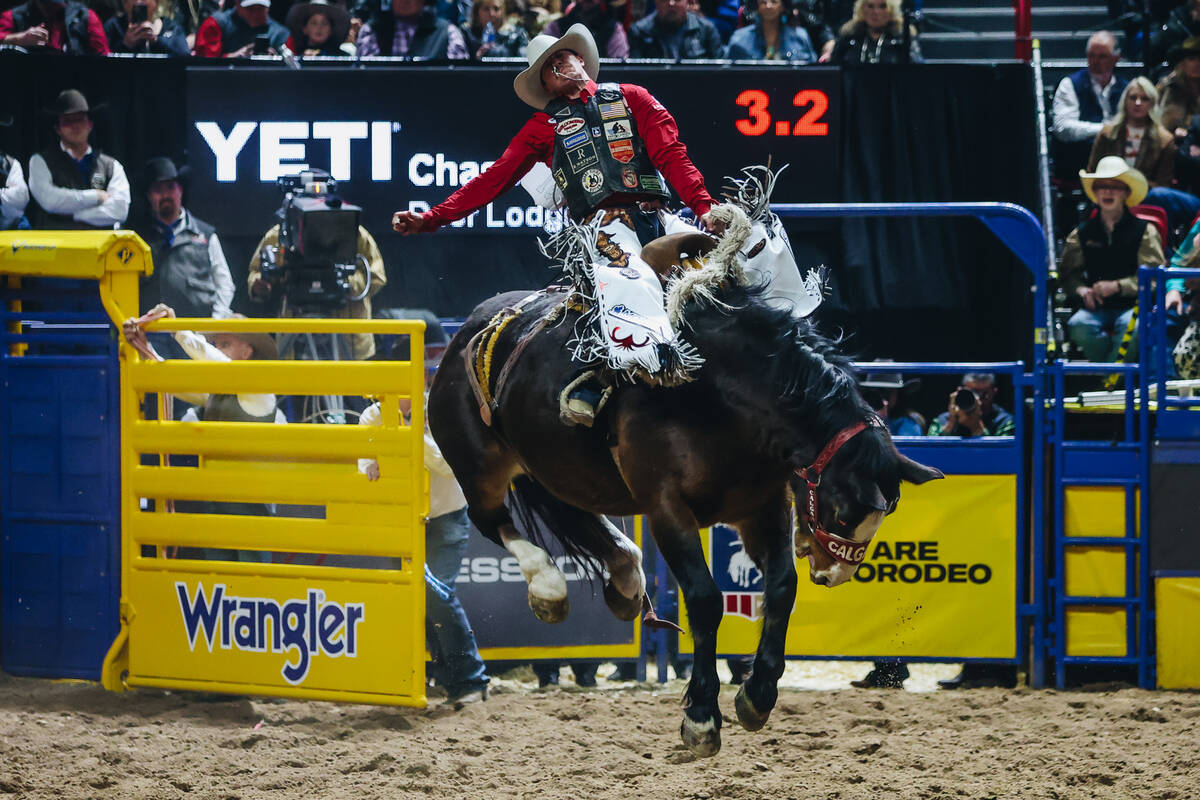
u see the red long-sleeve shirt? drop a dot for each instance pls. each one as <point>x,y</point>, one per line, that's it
<point>97,40</point>
<point>535,142</point>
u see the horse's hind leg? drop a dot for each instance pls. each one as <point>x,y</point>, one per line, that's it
<point>768,540</point>
<point>626,581</point>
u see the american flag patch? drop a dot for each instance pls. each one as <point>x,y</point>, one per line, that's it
<point>612,110</point>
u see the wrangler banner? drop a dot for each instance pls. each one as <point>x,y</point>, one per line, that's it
<point>939,581</point>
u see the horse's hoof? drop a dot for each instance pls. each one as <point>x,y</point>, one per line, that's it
<point>550,610</point>
<point>702,738</point>
<point>622,607</point>
<point>750,717</point>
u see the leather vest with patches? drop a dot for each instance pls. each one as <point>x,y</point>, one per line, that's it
<point>183,277</point>
<point>65,173</point>
<point>599,158</point>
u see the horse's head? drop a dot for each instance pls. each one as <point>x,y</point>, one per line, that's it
<point>844,494</point>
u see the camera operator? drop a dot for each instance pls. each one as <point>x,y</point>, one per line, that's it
<point>973,410</point>
<point>271,284</point>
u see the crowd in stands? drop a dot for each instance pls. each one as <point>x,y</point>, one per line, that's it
<point>795,31</point>
<point>1132,149</point>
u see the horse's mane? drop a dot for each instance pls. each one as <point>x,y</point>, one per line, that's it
<point>809,374</point>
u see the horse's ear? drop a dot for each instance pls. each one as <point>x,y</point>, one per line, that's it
<point>913,472</point>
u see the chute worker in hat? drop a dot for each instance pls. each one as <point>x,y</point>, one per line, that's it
<point>1098,269</point>
<point>609,148</point>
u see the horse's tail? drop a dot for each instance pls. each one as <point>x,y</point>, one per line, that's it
<point>584,537</point>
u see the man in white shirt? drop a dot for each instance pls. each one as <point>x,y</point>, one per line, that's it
<point>1084,101</point>
<point>75,186</point>
<point>14,194</point>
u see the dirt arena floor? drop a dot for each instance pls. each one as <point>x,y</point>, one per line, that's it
<point>74,740</point>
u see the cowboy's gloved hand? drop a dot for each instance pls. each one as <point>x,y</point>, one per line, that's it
<point>406,222</point>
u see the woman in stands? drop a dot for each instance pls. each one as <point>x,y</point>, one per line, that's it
<point>505,39</point>
<point>772,36</point>
<point>145,26</point>
<point>875,35</point>
<point>319,28</point>
<point>1137,135</point>
<point>1180,91</point>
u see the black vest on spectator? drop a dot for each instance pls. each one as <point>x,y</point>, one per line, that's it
<point>431,39</point>
<point>182,270</point>
<point>1089,104</point>
<point>236,34</point>
<point>65,172</point>
<point>1106,259</point>
<point>599,158</point>
<point>27,15</point>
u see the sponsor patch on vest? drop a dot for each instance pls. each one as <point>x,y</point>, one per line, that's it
<point>612,110</point>
<point>622,151</point>
<point>629,177</point>
<point>569,126</point>
<point>596,132</point>
<point>593,181</point>
<point>581,158</point>
<point>575,139</point>
<point>652,184</point>
<point>98,181</point>
<point>618,129</point>
<point>560,178</point>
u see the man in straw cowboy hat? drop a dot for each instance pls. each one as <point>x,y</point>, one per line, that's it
<point>606,145</point>
<point>1099,263</point>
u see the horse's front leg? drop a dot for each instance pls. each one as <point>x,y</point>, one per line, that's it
<point>679,542</point>
<point>547,584</point>
<point>768,540</point>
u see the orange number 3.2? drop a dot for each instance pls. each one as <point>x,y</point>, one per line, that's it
<point>807,125</point>
<point>755,102</point>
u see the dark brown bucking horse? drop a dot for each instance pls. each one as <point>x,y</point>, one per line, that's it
<point>773,415</point>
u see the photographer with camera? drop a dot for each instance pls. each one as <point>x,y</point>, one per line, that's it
<point>973,410</point>
<point>319,262</point>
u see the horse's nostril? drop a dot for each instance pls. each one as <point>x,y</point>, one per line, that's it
<point>821,580</point>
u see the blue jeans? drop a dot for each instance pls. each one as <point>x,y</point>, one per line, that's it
<point>1098,333</point>
<point>457,665</point>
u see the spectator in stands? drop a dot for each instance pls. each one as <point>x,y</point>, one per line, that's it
<point>811,15</point>
<point>974,416</point>
<point>362,345</point>
<point>231,33</point>
<point>151,33</point>
<point>599,17</point>
<point>674,32</point>
<point>537,14</point>
<point>457,665</point>
<point>190,271</point>
<point>1083,102</point>
<point>75,186</point>
<point>411,29</point>
<point>1099,262</point>
<point>319,28</point>
<point>489,34</point>
<point>1136,135</point>
<point>14,196</point>
<point>1182,23</point>
<point>875,35</point>
<point>1179,92</point>
<point>772,36</point>
<point>69,27</point>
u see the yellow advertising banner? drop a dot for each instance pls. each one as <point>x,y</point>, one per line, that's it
<point>940,580</point>
<point>285,635</point>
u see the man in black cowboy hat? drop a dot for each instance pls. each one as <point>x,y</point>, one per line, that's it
<point>75,186</point>
<point>67,26</point>
<point>190,271</point>
<point>884,392</point>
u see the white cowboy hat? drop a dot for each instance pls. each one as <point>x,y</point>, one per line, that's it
<point>1114,168</point>
<point>578,38</point>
